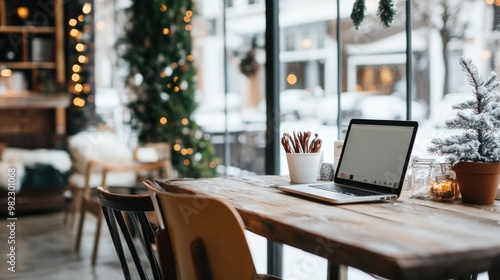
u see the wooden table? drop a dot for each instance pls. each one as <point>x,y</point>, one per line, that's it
<point>404,239</point>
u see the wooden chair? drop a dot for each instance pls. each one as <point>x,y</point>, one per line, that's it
<point>127,214</point>
<point>126,173</point>
<point>207,236</point>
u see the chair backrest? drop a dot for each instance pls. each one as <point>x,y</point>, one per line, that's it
<point>207,236</point>
<point>127,213</point>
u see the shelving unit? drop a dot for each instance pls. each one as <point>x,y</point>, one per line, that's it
<point>32,73</point>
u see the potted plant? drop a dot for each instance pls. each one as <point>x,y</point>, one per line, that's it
<point>475,152</point>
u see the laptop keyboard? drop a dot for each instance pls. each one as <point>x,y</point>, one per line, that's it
<point>342,190</point>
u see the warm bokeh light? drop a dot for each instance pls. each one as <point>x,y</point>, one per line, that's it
<point>190,58</point>
<point>81,18</point>
<point>291,79</point>
<point>78,88</point>
<point>187,162</point>
<point>80,47</point>
<point>184,152</point>
<point>6,73</point>
<point>90,99</point>
<point>23,12</point>
<point>177,147</point>
<point>83,59</point>
<point>163,120</point>
<point>189,27</point>
<point>86,8</point>
<point>79,102</point>
<point>176,89</point>
<point>100,24</point>
<point>76,68</point>
<point>306,43</point>
<point>189,13</point>
<point>190,151</point>
<point>73,32</point>
<point>162,74</point>
<point>166,31</point>
<point>187,19</point>
<point>212,164</point>
<point>184,121</point>
<point>75,77</point>
<point>163,8</point>
<point>87,88</point>
<point>176,78</point>
<point>72,22</point>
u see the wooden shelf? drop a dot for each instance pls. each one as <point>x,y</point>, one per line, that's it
<point>27,29</point>
<point>28,65</point>
<point>39,55</point>
<point>35,100</point>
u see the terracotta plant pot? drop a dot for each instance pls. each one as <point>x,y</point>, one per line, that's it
<point>478,181</point>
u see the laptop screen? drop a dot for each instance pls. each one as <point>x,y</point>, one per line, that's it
<point>376,154</point>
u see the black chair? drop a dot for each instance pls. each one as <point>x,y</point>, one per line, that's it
<point>127,213</point>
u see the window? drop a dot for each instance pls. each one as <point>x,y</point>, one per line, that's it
<point>373,68</point>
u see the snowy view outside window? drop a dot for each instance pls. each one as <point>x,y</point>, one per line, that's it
<point>373,69</point>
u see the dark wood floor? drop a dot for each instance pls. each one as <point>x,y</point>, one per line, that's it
<point>45,250</point>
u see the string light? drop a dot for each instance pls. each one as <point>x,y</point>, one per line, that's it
<point>78,88</point>
<point>163,120</point>
<point>75,77</point>
<point>166,31</point>
<point>87,88</point>
<point>77,26</point>
<point>189,13</point>
<point>184,121</point>
<point>177,147</point>
<point>189,27</point>
<point>80,47</point>
<point>82,59</point>
<point>76,68</point>
<point>86,8</point>
<point>74,32</point>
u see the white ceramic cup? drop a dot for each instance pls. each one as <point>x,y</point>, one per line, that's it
<point>303,167</point>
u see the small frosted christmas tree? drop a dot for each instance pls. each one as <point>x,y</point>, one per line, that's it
<point>479,118</point>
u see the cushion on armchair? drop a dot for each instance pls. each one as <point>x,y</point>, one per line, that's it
<point>100,146</point>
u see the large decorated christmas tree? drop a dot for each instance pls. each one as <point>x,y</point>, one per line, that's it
<point>157,47</point>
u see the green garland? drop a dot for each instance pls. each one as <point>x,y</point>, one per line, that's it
<point>386,11</point>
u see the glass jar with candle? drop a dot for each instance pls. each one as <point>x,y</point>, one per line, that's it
<point>443,183</point>
<point>421,172</point>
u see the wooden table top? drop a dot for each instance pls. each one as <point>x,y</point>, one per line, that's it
<point>403,239</point>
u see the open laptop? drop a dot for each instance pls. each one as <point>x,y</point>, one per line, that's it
<point>372,165</point>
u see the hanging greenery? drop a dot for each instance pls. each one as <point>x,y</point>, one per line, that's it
<point>386,11</point>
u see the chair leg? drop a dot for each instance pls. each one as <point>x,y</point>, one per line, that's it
<point>96,240</point>
<point>80,229</point>
<point>76,203</point>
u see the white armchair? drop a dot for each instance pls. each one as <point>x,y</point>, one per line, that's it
<point>101,159</point>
